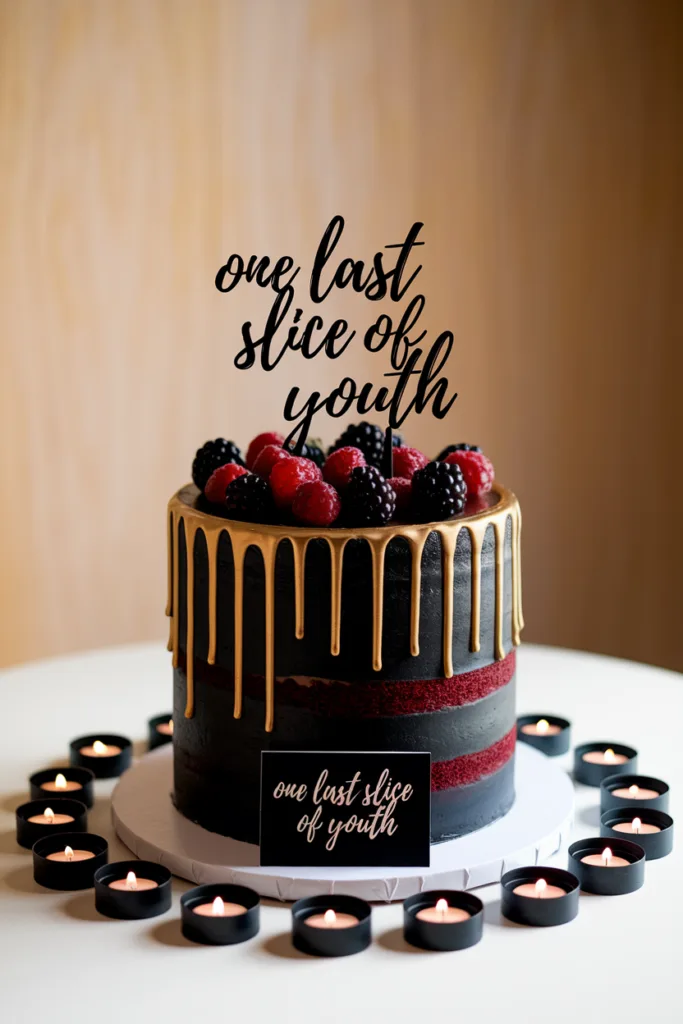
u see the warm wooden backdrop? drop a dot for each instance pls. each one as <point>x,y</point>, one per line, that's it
<point>142,142</point>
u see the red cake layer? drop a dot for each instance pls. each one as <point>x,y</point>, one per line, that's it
<point>472,767</point>
<point>383,697</point>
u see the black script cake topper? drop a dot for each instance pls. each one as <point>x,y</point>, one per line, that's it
<point>416,364</point>
<point>341,808</point>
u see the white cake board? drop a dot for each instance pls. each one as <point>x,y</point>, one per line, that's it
<point>534,830</point>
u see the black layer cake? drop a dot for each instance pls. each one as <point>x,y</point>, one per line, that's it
<point>359,612</point>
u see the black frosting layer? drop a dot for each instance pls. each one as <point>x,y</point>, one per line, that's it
<point>311,655</point>
<point>463,809</point>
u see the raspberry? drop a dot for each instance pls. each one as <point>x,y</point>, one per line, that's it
<point>248,498</point>
<point>476,469</point>
<point>288,475</point>
<point>316,503</point>
<point>439,492</point>
<point>267,458</point>
<point>210,456</point>
<point>259,443</point>
<point>403,490</point>
<point>219,480</point>
<point>340,463</point>
<point>407,460</point>
<point>369,500</point>
<point>441,457</point>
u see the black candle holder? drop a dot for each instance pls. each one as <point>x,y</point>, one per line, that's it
<point>107,767</point>
<point>593,774</point>
<point>220,931</point>
<point>29,832</point>
<point>655,844</point>
<point>331,941</point>
<point>609,801</point>
<point>534,910</point>
<point>550,745</point>
<point>443,936</point>
<point>132,904</point>
<point>68,876</point>
<point>605,881</point>
<point>156,738</point>
<point>81,775</point>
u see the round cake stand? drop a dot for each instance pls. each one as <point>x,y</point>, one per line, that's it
<point>535,829</point>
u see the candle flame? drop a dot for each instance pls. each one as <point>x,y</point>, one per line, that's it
<point>131,881</point>
<point>68,853</point>
<point>633,791</point>
<point>329,917</point>
<point>442,906</point>
<point>540,887</point>
<point>609,754</point>
<point>606,855</point>
<point>218,907</point>
<point>542,725</point>
<point>60,781</point>
<point>636,824</point>
<point>170,725</point>
<point>49,814</point>
<point>99,748</point>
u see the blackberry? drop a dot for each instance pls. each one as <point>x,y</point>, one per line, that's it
<point>368,499</point>
<point>397,440</point>
<point>456,448</point>
<point>439,492</point>
<point>249,498</point>
<point>313,450</point>
<point>211,456</point>
<point>367,437</point>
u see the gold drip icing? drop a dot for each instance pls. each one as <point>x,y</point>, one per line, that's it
<point>267,539</point>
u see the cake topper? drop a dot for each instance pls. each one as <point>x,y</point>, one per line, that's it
<point>418,383</point>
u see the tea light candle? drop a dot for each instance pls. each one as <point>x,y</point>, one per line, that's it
<point>220,915</point>
<point>47,816</point>
<point>68,861</point>
<point>594,762</point>
<point>653,830</point>
<point>443,920</point>
<point>539,896</point>
<point>106,755</point>
<point>67,855</point>
<point>130,890</point>
<point>608,870</point>
<point>331,925</point>
<point>547,733</point>
<point>634,790</point>
<point>160,730</point>
<point>63,782</point>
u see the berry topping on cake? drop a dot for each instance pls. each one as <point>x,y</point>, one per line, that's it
<point>476,469</point>
<point>288,475</point>
<point>339,465</point>
<point>210,456</point>
<point>403,489</point>
<point>259,443</point>
<point>368,500</point>
<point>367,437</point>
<point>313,450</point>
<point>316,503</point>
<point>220,478</point>
<point>269,457</point>
<point>441,457</point>
<point>407,460</point>
<point>248,497</point>
<point>439,492</point>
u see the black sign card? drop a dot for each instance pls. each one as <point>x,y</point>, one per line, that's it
<point>342,808</point>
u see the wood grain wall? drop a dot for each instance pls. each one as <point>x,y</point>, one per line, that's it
<point>141,142</point>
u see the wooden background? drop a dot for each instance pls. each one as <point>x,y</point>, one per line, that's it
<point>142,142</point>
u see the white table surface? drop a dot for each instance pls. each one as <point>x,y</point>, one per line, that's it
<point>61,962</point>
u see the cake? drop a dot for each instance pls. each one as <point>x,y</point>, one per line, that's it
<point>325,607</point>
